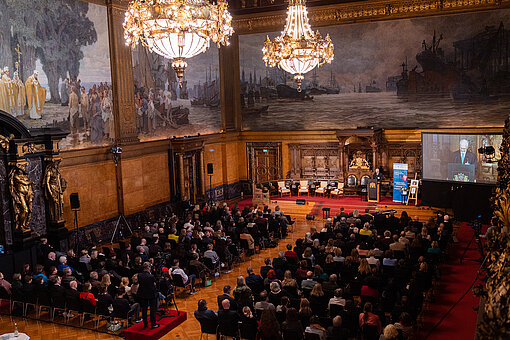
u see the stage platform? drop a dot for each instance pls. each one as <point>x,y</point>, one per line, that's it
<point>314,204</point>
<point>169,322</point>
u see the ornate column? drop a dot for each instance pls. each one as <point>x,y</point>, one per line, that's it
<point>374,155</point>
<point>194,167</point>
<point>202,172</point>
<point>231,119</point>
<point>122,76</point>
<point>181,174</point>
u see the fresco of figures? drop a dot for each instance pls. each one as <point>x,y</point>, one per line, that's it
<point>429,72</point>
<point>163,109</point>
<point>55,68</point>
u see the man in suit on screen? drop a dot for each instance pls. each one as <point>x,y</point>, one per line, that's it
<point>463,155</point>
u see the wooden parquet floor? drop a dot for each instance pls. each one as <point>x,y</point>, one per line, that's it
<point>190,329</point>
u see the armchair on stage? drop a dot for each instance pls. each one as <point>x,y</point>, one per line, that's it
<point>303,188</point>
<point>321,190</point>
<point>338,191</point>
<point>282,189</point>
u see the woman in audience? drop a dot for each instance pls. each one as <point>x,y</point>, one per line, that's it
<point>39,271</point>
<point>364,269</point>
<point>405,325</point>
<point>369,318</point>
<point>289,285</point>
<point>308,255</point>
<point>318,301</point>
<point>271,277</point>
<point>242,293</point>
<point>269,328</point>
<point>275,294</point>
<point>302,270</point>
<point>104,301</point>
<point>330,266</point>
<point>390,333</point>
<point>292,327</point>
<point>249,322</point>
<point>338,255</point>
<point>305,312</point>
<point>316,328</point>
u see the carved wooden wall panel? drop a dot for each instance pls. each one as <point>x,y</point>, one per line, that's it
<point>314,160</point>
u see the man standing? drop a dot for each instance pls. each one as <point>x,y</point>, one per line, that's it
<point>6,92</point>
<point>74,110</point>
<point>84,108</point>
<point>147,294</point>
<point>20,97</point>
<point>36,95</point>
<point>377,175</point>
<point>463,156</point>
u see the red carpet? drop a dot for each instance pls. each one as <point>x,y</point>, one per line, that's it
<point>137,331</point>
<point>456,279</point>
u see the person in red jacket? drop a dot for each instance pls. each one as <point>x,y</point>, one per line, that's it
<point>87,295</point>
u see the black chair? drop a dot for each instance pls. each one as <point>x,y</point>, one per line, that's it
<point>209,263</point>
<point>58,304</point>
<point>312,336</point>
<point>247,331</point>
<point>370,332</point>
<point>228,329</point>
<point>87,308</point>
<point>30,300</point>
<point>335,310</point>
<point>178,281</point>
<point>43,302</point>
<point>292,335</point>
<point>208,327</point>
<point>74,305</point>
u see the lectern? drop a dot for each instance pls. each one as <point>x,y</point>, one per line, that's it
<point>373,190</point>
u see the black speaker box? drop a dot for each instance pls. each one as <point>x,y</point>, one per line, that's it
<point>310,217</point>
<point>75,201</point>
<point>300,202</point>
<point>210,169</point>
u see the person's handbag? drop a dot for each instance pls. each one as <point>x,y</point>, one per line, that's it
<point>113,326</point>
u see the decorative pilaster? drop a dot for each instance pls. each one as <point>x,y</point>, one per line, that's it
<point>122,77</point>
<point>231,119</point>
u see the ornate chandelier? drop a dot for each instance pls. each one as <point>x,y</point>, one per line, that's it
<point>177,29</point>
<point>298,49</point>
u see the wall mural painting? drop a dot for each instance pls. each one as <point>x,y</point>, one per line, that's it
<point>55,68</point>
<point>163,109</point>
<point>415,73</point>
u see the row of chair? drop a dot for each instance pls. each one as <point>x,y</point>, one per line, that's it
<point>303,189</point>
<point>56,306</point>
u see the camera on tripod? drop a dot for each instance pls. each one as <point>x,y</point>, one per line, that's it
<point>476,225</point>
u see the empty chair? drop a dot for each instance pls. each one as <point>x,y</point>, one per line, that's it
<point>321,190</point>
<point>282,188</point>
<point>338,191</point>
<point>303,187</point>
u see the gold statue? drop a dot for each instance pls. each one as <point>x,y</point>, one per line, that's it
<point>55,186</point>
<point>359,161</point>
<point>4,141</point>
<point>22,194</point>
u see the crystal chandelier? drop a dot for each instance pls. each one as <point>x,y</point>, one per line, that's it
<point>298,49</point>
<point>177,29</point>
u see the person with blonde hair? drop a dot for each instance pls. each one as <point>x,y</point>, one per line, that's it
<point>305,312</point>
<point>390,332</point>
<point>318,301</point>
<point>364,268</point>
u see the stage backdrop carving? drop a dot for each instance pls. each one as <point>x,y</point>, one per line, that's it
<point>55,68</point>
<point>413,73</point>
<point>163,109</point>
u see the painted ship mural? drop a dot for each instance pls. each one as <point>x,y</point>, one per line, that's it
<point>477,72</point>
<point>277,86</point>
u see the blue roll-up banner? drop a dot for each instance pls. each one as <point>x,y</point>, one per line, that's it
<point>399,180</point>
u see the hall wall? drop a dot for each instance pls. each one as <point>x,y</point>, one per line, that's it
<point>92,175</point>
